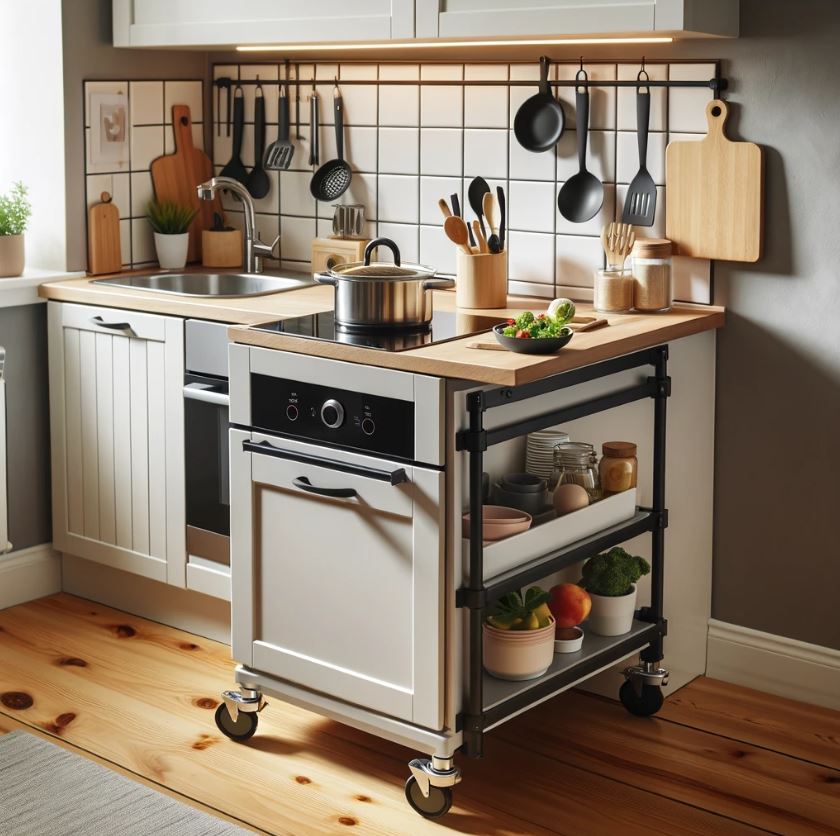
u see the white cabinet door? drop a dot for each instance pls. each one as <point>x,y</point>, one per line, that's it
<point>217,23</point>
<point>546,18</point>
<point>117,431</point>
<point>341,594</point>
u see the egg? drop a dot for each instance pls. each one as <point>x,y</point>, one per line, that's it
<point>569,498</point>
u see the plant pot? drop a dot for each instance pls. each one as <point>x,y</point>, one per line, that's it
<point>172,250</point>
<point>612,615</point>
<point>11,256</point>
<point>518,654</point>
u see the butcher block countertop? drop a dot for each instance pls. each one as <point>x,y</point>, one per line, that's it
<point>454,359</point>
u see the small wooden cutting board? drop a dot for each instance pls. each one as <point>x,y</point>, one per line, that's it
<point>104,237</point>
<point>175,177</point>
<point>715,194</point>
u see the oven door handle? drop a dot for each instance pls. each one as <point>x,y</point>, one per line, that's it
<point>199,392</point>
<point>339,493</point>
<point>393,477</point>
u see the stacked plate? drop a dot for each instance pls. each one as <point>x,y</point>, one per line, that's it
<point>539,454</point>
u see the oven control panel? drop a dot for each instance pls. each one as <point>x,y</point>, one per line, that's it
<point>372,423</point>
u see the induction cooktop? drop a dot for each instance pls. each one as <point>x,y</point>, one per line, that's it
<point>445,326</point>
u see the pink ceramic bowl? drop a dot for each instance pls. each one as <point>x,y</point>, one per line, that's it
<point>499,522</point>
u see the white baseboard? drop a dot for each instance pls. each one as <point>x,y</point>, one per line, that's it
<point>29,574</point>
<point>775,664</point>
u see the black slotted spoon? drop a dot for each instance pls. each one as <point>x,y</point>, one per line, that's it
<point>640,203</point>
<point>333,178</point>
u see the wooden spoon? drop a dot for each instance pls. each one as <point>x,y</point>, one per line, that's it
<point>456,230</point>
<point>479,237</point>
<point>444,208</point>
<point>488,207</point>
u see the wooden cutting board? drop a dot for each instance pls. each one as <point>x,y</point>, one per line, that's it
<point>104,237</point>
<point>175,177</point>
<point>714,206</point>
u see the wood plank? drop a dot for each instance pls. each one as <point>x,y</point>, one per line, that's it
<point>743,782</point>
<point>139,397</point>
<point>156,405</point>
<point>803,731</point>
<point>122,441</point>
<point>105,437</point>
<point>90,452</point>
<point>140,694</point>
<point>72,430</point>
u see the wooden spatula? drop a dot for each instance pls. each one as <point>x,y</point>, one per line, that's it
<point>617,241</point>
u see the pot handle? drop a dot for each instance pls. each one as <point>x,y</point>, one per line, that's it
<point>325,278</point>
<point>438,284</point>
<point>382,242</point>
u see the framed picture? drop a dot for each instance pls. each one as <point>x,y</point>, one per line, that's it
<point>109,130</point>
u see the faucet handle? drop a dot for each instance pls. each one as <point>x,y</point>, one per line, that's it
<point>264,250</point>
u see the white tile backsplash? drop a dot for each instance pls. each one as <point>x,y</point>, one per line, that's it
<point>188,93</point>
<point>432,189</point>
<point>295,197</point>
<point>440,152</point>
<point>146,145</point>
<point>360,104</point>
<point>399,151</point>
<point>142,192</point>
<point>486,154</point>
<point>486,107</point>
<point>399,199</point>
<point>578,258</point>
<point>530,206</point>
<point>531,257</point>
<point>146,99</point>
<point>687,105</point>
<point>627,156</point>
<point>442,107</point>
<point>399,106</point>
<point>601,99</point>
<point>405,236</point>
<point>530,165</point>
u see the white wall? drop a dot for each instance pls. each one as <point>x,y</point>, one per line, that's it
<point>32,133</point>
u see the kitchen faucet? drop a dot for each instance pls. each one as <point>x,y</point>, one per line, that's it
<point>254,250</point>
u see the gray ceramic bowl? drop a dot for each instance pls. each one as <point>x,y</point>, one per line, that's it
<point>523,483</point>
<point>532,503</point>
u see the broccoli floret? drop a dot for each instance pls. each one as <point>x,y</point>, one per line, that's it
<point>510,331</point>
<point>613,573</point>
<point>524,320</point>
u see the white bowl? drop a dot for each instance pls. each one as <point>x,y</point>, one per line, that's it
<point>572,644</point>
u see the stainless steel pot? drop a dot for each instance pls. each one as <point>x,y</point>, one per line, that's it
<point>383,294</point>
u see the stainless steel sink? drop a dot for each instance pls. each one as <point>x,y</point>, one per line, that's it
<point>211,284</point>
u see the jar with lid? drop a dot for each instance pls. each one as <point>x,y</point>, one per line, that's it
<point>652,287</point>
<point>576,463</point>
<point>613,290</point>
<point>619,467</point>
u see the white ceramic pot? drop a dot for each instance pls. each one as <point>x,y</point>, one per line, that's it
<point>568,639</point>
<point>11,256</point>
<point>518,654</point>
<point>172,250</point>
<point>612,615</point>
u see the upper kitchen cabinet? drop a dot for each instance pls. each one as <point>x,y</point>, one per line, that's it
<point>221,23</point>
<point>575,18</point>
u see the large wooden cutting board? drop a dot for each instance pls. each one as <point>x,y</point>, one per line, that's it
<point>714,206</point>
<point>175,177</point>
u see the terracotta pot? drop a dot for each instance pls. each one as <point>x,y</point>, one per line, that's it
<point>172,250</point>
<point>518,654</point>
<point>11,256</point>
<point>612,615</point>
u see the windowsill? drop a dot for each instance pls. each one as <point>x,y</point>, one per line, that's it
<point>23,290</point>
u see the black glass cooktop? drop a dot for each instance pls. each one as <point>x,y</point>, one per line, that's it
<point>445,325</point>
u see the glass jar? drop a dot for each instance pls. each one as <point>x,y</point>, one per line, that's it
<point>576,463</point>
<point>613,291</point>
<point>619,467</point>
<point>652,287</point>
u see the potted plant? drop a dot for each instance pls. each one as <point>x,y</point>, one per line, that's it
<point>519,636</point>
<point>171,223</point>
<point>610,579</point>
<point>14,213</point>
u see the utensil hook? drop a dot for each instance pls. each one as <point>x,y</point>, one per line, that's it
<point>643,72</point>
<point>581,76</point>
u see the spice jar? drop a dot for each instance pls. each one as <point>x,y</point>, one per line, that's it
<point>575,462</point>
<point>613,290</point>
<point>619,467</point>
<point>652,288</point>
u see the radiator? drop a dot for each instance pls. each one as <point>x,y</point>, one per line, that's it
<point>5,545</point>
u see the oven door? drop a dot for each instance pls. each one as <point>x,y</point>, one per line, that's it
<point>337,574</point>
<point>207,479</point>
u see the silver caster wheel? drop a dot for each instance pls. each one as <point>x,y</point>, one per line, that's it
<point>236,717</point>
<point>641,693</point>
<point>429,788</point>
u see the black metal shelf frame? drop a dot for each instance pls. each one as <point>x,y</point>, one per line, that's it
<point>475,440</point>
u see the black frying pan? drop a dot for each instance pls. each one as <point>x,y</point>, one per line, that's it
<point>539,122</point>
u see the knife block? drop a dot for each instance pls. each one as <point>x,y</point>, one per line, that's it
<point>481,280</point>
<point>330,252</point>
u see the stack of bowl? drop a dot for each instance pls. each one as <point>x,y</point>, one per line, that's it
<point>523,491</point>
<point>499,522</point>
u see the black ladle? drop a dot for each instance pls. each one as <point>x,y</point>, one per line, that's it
<point>478,188</point>
<point>582,195</point>
<point>258,183</point>
<point>333,178</point>
<point>539,122</point>
<point>234,167</point>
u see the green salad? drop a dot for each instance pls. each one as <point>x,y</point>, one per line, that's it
<point>553,323</point>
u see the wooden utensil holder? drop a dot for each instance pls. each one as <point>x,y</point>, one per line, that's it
<point>481,280</point>
<point>221,248</point>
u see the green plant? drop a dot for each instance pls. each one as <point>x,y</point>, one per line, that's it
<point>15,210</point>
<point>170,218</point>
<point>613,573</point>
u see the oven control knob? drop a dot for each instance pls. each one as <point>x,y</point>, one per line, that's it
<point>368,427</point>
<point>292,412</point>
<point>332,414</point>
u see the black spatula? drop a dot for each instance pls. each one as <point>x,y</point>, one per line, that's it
<point>640,203</point>
<point>258,183</point>
<point>235,168</point>
<point>278,155</point>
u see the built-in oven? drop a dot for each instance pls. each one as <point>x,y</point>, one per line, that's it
<point>206,459</point>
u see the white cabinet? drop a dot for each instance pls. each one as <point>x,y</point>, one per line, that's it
<point>547,18</point>
<point>117,428</point>
<point>221,23</point>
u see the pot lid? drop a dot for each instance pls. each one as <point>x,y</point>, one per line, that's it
<point>395,271</point>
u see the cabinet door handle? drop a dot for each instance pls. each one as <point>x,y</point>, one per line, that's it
<point>113,326</point>
<point>341,493</point>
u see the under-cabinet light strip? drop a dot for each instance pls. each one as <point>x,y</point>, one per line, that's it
<point>444,44</point>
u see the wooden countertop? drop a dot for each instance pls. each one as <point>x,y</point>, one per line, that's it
<point>454,359</point>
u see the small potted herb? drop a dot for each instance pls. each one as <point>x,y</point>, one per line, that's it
<point>610,579</point>
<point>519,636</point>
<point>15,210</point>
<point>171,223</point>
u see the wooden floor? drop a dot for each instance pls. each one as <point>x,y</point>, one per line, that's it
<point>139,697</point>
